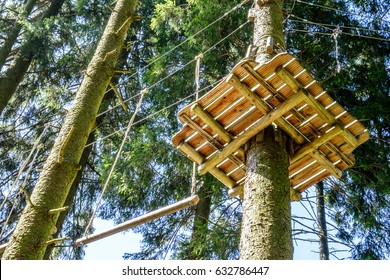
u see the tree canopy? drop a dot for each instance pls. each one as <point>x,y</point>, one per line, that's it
<point>345,46</point>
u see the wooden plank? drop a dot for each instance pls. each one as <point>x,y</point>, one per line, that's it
<point>311,101</point>
<point>214,125</point>
<point>349,138</point>
<point>199,159</point>
<point>239,190</point>
<point>319,108</point>
<point>185,203</point>
<point>306,149</point>
<point>265,121</point>
<point>261,106</point>
<point>321,159</point>
<point>212,141</point>
<point>259,79</point>
<point>293,84</point>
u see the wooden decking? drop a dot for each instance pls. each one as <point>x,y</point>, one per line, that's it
<point>252,97</point>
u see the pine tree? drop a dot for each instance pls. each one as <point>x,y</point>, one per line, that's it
<point>37,223</point>
<point>266,226</point>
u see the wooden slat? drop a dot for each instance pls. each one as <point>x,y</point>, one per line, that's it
<point>293,84</point>
<point>214,125</point>
<point>261,106</point>
<point>311,101</point>
<point>306,149</point>
<point>236,191</point>
<point>265,121</point>
<point>351,140</point>
<point>326,163</point>
<point>319,108</point>
<point>199,159</point>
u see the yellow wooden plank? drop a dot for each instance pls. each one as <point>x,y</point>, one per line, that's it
<point>261,106</point>
<point>306,149</point>
<point>321,159</point>
<point>199,159</point>
<point>265,121</point>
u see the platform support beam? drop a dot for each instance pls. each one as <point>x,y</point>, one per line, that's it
<point>265,121</point>
<point>261,106</point>
<point>214,125</point>
<point>306,149</point>
<point>199,159</point>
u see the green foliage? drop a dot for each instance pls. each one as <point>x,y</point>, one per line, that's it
<point>151,173</point>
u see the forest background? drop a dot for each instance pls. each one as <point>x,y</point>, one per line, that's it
<point>45,49</point>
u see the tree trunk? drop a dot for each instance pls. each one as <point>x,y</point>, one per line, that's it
<point>266,226</point>
<point>36,226</point>
<point>323,233</point>
<point>110,95</point>
<point>14,33</point>
<point>198,243</point>
<point>11,78</point>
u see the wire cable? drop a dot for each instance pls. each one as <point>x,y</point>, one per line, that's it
<point>128,129</point>
<point>332,26</point>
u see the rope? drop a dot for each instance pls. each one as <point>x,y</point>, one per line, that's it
<point>344,33</point>
<point>130,124</point>
<point>166,77</point>
<point>197,75</point>
<point>155,113</point>
<point>20,190</point>
<point>24,165</point>
<point>335,35</point>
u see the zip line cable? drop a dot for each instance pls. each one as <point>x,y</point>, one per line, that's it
<point>20,190</point>
<point>24,165</point>
<point>153,114</point>
<point>180,44</point>
<point>168,76</point>
<point>332,26</point>
<point>332,9</point>
<point>128,129</point>
<point>179,69</point>
<point>344,33</point>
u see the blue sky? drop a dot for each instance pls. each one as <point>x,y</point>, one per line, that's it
<point>113,247</point>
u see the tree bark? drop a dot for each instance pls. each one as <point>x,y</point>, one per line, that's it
<point>12,77</point>
<point>36,226</point>
<point>323,233</point>
<point>14,33</point>
<point>110,95</point>
<point>266,226</point>
<point>198,244</point>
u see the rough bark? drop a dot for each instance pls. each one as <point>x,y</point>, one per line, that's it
<point>323,233</point>
<point>198,244</point>
<point>36,226</point>
<point>266,226</point>
<point>14,33</point>
<point>12,77</point>
<point>110,95</point>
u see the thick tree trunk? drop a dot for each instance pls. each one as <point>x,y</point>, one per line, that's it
<point>110,95</point>
<point>323,233</point>
<point>14,33</point>
<point>36,226</point>
<point>11,78</point>
<point>71,195</point>
<point>266,225</point>
<point>198,245</point>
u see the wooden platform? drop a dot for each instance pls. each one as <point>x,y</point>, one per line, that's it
<point>252,97</point>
